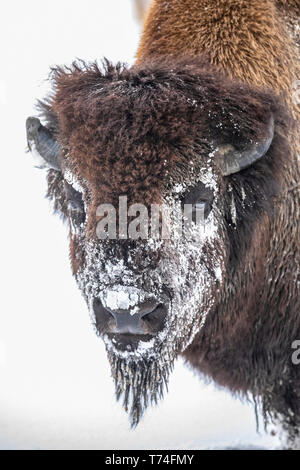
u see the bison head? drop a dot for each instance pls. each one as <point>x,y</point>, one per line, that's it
<point>162,134</point>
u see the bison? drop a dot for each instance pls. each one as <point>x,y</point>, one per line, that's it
<point>206,118</point>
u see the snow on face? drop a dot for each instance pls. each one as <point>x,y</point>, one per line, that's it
<point>73,181</point>
<point>189,269</point>
<point>123,298</point>
<point>77,228</point>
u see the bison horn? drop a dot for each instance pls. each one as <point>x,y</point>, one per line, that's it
<point>232,161</point>
<point>43,146</point>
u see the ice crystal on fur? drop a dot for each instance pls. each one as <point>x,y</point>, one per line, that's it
<point>188,272</point>
<point>139,383</point>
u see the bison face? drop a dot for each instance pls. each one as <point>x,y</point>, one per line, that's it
<point>122,144</point>
<point>148,297</point>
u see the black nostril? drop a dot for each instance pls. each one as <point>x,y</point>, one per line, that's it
<point>155,320</point>
<point>105,321</point>
<point>147,307</point>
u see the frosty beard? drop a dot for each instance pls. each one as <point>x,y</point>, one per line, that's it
<point>139,383</point>
<point>190,271</point>
<point>141,377</point>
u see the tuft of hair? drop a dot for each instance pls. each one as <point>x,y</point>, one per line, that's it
<point>139,383</point>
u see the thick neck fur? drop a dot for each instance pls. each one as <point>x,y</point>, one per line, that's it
<point>256,42</point>
<point>248,39</point>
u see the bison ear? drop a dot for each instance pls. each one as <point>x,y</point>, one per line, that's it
<point>231,160</point>
<point>43,146</point>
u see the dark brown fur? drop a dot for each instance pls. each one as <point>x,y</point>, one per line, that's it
<point>134,120</point>
<point>119,126</point>
<point>246,343</point>
<point>128,122</point>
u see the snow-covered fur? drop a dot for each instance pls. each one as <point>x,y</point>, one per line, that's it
<point>150,132</point>
<point>259,43</point>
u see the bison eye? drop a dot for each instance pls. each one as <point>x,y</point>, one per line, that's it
<point>200,199</point>
<point>200,210</point>
<point>75,205</point>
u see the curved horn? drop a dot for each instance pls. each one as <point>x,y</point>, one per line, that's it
<point>232,161</point>
<point>43,146</point>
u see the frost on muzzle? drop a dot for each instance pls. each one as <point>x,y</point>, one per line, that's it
<point>148,314</point>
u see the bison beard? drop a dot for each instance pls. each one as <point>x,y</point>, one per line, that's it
<point>141,376</point>
<point>139,382</point>
<point>191,109</point>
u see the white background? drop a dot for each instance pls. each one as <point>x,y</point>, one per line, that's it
<point>56,390</point>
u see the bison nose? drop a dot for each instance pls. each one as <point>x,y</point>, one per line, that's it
<point>144,319</point>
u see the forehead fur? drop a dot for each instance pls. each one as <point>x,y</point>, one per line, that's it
<point>124,126</point>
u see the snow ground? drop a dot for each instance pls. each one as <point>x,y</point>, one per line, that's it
<point>56,391</point>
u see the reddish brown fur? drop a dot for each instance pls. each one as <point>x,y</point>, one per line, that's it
<point>246,39</point>
<point>119,127</point>
<point>245,345</point>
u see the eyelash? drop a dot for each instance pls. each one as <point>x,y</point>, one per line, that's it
<point>75,205</point>
<point>200,203</point>
<point>203,203</point>
<point>199,206</point>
